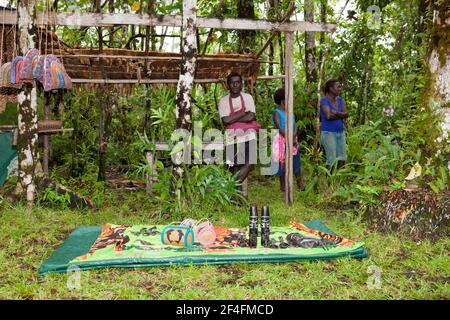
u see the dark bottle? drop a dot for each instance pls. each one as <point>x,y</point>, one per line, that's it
<point>265,227</point>
<point>253,227</point>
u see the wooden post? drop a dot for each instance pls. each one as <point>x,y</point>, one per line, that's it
<point>151,174</point>
<point>187,69</point>
<point>245,187</point>
<point>27,98</point>
<point>289,100</point>
<point>46,136</point>
<point>101,146</point>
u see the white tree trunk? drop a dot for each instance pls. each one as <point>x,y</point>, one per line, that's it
<point>440,74</point>
<point>439,61</point>
<point>27,98</point>
<point>187,70</point>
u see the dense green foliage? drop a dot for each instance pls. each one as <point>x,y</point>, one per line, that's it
<point>382,66</point>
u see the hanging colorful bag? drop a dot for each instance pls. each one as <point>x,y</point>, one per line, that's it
<point>26,73</point>
<point>5,75</point>
<point>55,76</point>
<point>38,68</point>
<point>16,66</point>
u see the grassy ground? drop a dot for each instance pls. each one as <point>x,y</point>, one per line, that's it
<point>409,270</point>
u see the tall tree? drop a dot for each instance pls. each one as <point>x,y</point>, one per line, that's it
<point>271,14</point>
<point>439,52</point>
<point>246,10</point>
<point>27,98</point>
<point>310,46</point>
<point>111,29</point>
<point>187,68</point>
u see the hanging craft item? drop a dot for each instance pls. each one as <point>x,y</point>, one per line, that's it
<point>5,75</point>
<point>38,68</point>
<point>55,76</point>
<point>26,73</point>
<point>16,66</point>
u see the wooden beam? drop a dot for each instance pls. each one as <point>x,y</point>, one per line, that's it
<point>263,25</point>
<point>113,19</point>
<point>51,131</point>
<point>289,100</point>
<point>157,81</point>
<point>46,137</point>
<point>108,19</point>
<point>162,58</point>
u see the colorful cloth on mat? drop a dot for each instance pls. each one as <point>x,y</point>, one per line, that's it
<point>336,239</point>
<point>26,73</point>
<point>140,246</point>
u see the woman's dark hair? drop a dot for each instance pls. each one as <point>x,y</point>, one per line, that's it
<point>329,84</point>
<point>233,74</point>
<point>278,96</point>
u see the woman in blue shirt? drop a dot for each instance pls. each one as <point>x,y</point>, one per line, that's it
<point>332,135</point>
<point>279,120</point>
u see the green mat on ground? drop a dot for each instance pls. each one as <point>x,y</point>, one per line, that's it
<point>140,246</point>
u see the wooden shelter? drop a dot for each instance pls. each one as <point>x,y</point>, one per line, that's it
<point>189,22</point>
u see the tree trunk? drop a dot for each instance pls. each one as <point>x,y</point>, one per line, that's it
<point>311,66</point>
<point>27,98</point>
<point>111,29</point>
<point>310,47</point>
<point>105,116</point>
<point>271,14</point>
<point>246,10</point>
<point>277,8</point>
<point>150,31</point>
<point>98,9</point>
<point>125,28</point>
<point>188,64</point>
<point>439,55</point>
<point>323,19</point>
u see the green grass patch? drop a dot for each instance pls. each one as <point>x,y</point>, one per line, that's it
<point>408,270</point>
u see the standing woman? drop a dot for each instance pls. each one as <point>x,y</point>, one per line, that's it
<point>279,121</point>
<point>332,135</point>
